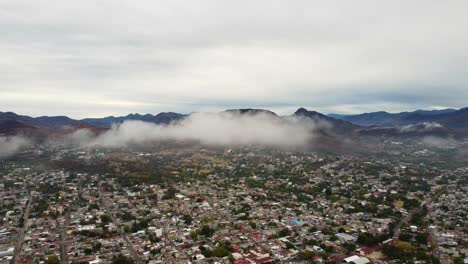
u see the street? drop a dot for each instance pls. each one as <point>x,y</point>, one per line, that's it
<point>115,220</point>
<point>19,242</point>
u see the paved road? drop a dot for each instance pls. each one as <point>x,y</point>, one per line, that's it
<point>20,240</point>
<point>396,233</point>
<point>63,238</point>
<point>435,244</point>
<point>114,218</point>
<point>407,218</point>
<point>63,228</point>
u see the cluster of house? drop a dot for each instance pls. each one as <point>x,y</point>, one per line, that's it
<point>13,200</point>
<point>449,216</point>
<point>250,208</point>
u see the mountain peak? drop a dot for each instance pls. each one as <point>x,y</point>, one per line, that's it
<point>250,111</point>
<point>301,110</point>
<point>304,112</point>
<point>335,126</point>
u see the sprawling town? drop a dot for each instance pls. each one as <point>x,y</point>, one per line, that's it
<point>242,206</point>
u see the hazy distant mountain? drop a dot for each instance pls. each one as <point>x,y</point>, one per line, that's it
<point>56,121</point>
<point>61,121</point>
<point>10,116</point>
<point>39,127</point>
<point>412,130</point>
<point>251,111</point>
<point>161,118</point>
<point>457,120</point>
<point>46,121</point>
<point>336,126</point>
<point>325,123</point>
<point>395,119</point>
<point>13,127</point>
<point>367,119</point>
<point>443,123</point>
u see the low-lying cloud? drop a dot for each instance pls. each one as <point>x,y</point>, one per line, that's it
<point>11,145</point>
<point>207,128</point>
<point>439,142</point>
<point>420,127</point>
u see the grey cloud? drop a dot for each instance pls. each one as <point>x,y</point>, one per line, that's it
<point>438,142</point>
<point>210,129</point>
<point>180,54</point>
<point>11,145</point>
<point>420,127</point>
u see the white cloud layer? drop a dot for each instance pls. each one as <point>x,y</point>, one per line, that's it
<point>11,145</point>
<point>101,57</point>
<point>209,129</point>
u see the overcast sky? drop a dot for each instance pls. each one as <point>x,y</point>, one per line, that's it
<point>93,58</point>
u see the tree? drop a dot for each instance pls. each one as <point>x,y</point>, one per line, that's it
<point>422,238</point>
<point>126,216</point>
<point>231,258</point>
<point>350,247</point>
<point>207,231</point>
<point>392,252</point>
<point>97,246</point>
<point>405,236</point>
<point>220,251</point>
<point>312,242</point>
<point>143,224</point>
<point>421,255</point>
<point>194,234</point>
<point>367,239</point>
<point>88,251</point>
<point>400,250</point>
<point>289,245</point>
<point>306,255</point>
<point>170,193</point>
<point>187,219</point>
<point>153,197</point>
<point>284,232</point>
<point>206,252</point>
<point>52,260</point>
<point>121,259</point>
<point>106,219</point>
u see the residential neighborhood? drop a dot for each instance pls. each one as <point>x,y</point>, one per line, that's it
<point>231,206</point>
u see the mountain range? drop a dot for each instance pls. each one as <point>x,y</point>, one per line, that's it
<point>456,120</point>
<point>444,123</point>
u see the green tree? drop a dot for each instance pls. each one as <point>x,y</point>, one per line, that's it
<point>422,238</point>
<point>284,232</point>
<point>220,251</point>
<point>121,259</point>
<point>350,247</point>
<point>289,245</point>
<point>105,219</point>
<point>187,219</point>
<point>52,260</point>
<point>207,231</point>
<point>405,236</point>
<point>306,255</point>
<point>170,193</point>
<point>367,239</point>
<point>206,251</point>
